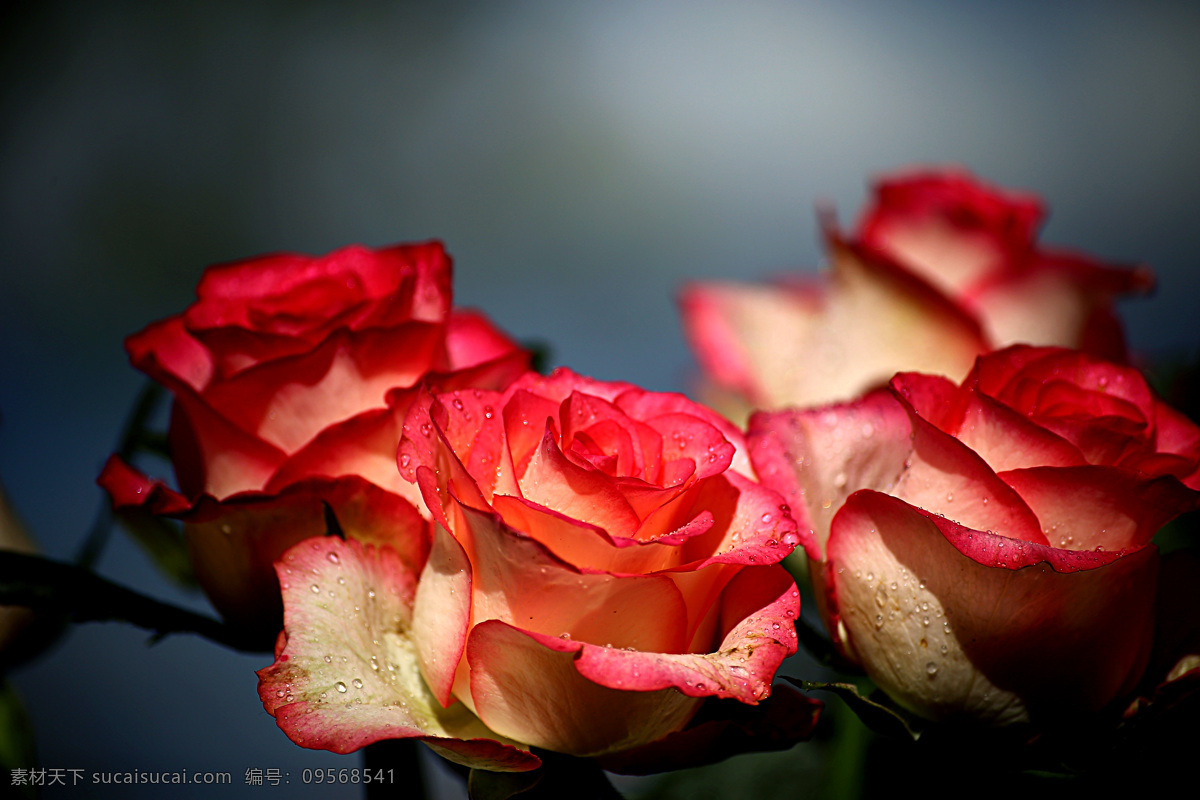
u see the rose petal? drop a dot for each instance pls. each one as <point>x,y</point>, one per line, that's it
<point>166,352</point>
<point>1096,507</point>
<point>517,580</point>
<point>526,685</point>
<point>640,404</point>
<point>757,631</point>
<point>348,674</point>
<point>880,443</point>
<point>1007,440</point>
<point>287,401</point>
<point>589,547</point>
<point>131,490</point>
<point>525,418</point>
<point>472,339</point>
<point>365,445</point>
<point>950,228</point>
<point>892,567</point>
<point>442,613</point>
<point>874,316</point>
<point>551,480</point>
<point>234,543</point>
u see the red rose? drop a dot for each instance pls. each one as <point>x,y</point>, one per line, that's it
<point>941,269</point>
<point>291,376</point>
<point>600,565</point>
<point>984,550</point>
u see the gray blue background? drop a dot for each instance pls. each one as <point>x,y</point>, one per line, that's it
<point>580,160</point>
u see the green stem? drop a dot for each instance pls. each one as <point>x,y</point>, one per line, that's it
<point>83,596</point>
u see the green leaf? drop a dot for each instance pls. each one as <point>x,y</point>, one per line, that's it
<point>880,717</point>
<point>53,587</point>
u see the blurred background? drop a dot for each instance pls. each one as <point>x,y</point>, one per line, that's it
<point>580,160</point>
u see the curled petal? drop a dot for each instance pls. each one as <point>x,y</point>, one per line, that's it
<point>347,674</point>
<point>1100,508</point>
<point>526,686</point>
<point>946,616</point>
<point>286,401</point>
<point>587,495</point>
<point>519,581</point>
<point>757,627</point>
<point>792,347</point>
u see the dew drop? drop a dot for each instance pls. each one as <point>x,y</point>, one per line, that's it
<point>333,557</point>
<point>341,687</point>
<point>766,518</point>
<point>931,669</point>
<point>328,659</point>
<point>358,684</point>
<point>404,461</point>
<point>315,589</point>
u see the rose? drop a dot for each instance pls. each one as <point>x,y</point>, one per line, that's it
<point>984,550</point>
<point>601,563</point>
<point>291,376</point>
<point>941,269</point>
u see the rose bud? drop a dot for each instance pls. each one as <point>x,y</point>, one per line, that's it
<point>291,377</point>
<point>940,270</point>
<point>984,550</point>
<point>601,564</point>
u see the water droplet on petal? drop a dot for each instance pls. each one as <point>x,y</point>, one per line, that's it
<point>931,669</point>
<point>341,687</point>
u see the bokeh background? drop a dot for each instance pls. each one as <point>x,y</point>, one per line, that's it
<point>580,160</point>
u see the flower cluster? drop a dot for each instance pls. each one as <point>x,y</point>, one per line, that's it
<point>501,564</point>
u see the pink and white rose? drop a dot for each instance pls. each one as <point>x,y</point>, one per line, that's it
<point>984,549</point>
<point>291,376</point>
<point>601,564</point>
<point>940,269</point>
